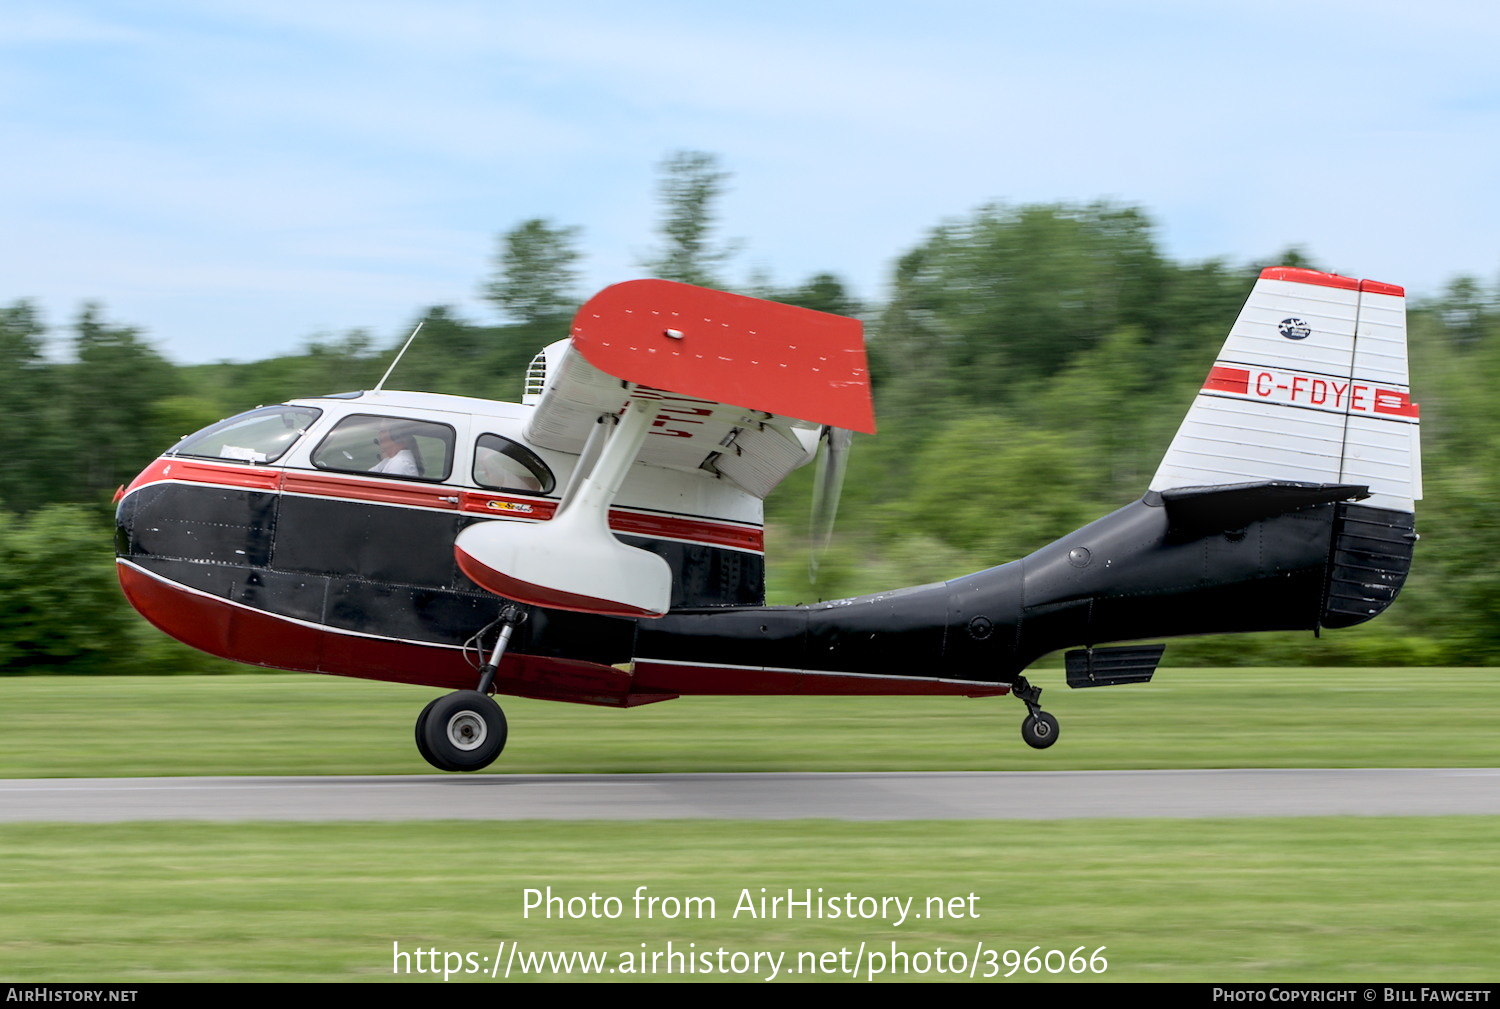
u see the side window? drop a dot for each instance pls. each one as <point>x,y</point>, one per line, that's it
<point>388,446</point>
<point>501,464</point>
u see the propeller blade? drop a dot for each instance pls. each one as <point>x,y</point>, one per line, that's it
<point>833,460</point>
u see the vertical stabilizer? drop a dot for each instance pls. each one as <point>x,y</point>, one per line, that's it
<point>1311,386</point>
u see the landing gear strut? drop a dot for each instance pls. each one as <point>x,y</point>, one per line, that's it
<point>1040,728</point>
<point>466,730</point>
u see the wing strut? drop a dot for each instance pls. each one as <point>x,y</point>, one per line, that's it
<point>574,562</point>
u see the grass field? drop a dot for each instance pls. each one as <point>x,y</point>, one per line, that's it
<point>285,724</point>
<point>1357,899</point>
<point>1250,900</point>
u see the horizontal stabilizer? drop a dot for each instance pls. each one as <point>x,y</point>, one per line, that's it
<point>1106,667</point>
<point>1201,510</point>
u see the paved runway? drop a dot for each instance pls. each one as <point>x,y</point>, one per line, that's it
<point>1036,795</point>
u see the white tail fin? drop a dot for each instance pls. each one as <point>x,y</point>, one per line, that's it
<point>1311,386</point>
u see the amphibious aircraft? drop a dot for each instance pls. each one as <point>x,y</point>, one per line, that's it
<point>601,541</point>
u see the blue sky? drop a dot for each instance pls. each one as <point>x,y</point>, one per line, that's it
<point>238,177</point>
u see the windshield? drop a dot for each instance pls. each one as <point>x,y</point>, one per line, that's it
<point>262,435</point>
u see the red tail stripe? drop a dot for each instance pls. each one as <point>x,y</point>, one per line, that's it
<point>1300,276</point>
<point>1376,287</point>
<point>1221,379</point>
<point>1297,275</point>
<point>1398,403</point>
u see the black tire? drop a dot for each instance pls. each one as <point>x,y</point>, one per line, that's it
<point>421,741</point>
<point>1039,730</point>
<point>461,731</point>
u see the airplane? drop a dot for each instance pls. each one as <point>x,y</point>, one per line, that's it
<point>601,542</point>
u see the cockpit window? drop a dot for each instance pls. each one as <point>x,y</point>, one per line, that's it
<point>262,435</point>
<point>501,464</point>
<point>388,446</point>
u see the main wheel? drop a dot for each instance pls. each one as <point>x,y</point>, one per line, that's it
<point>421,738</point>
<point>1039,730</point>
<point>461,731</point>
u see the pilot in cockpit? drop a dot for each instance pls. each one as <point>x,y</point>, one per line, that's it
<point>399,455</point>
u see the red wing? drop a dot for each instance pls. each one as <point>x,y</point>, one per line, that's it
<point>730,349</point>
<point>743,385</point>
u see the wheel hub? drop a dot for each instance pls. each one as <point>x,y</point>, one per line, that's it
<point>467,731</point>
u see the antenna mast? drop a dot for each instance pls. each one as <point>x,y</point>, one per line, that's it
<point>392,368</point>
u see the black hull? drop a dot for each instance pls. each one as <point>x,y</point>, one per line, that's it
<point>388,573</point>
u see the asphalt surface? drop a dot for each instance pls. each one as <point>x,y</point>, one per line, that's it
<point>1036,795</point>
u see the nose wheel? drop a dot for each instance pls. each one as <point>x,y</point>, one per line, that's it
<point>1040,729</point>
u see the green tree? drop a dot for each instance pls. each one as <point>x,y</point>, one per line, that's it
<point>454,356</point>
<point>21,333</point>
<point>27,409</point>
<point>111,393</point>
<point>535,272</point>
<point>1467,311</point>
<point>60,602</point>
<point>689,189</point>
<point>822,292</point>
<point>995,489</point>
<point>1013,294</point>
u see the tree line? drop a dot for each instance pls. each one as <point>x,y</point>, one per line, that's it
<point>1031,364</point>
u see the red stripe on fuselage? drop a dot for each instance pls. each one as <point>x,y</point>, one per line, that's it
<point>190,471</point>
<point>708,532</point>
<point>507,505</point>
<point>715,534</point>
<point>356,489</point>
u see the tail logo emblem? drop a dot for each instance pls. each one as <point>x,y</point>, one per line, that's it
<point>1294,329</point>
